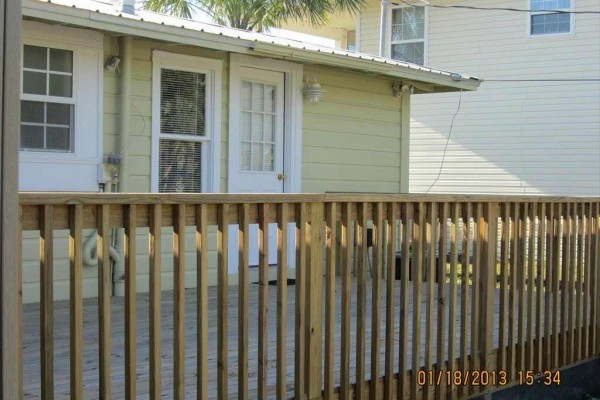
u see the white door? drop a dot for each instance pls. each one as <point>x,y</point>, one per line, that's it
<point>256,163</point>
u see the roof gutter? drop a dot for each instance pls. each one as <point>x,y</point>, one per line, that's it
<point>126,25</point>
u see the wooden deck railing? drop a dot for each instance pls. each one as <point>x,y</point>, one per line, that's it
<point>497,286</point>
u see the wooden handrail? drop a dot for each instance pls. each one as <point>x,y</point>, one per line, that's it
<point>458,259</point>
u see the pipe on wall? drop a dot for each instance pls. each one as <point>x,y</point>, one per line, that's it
<point>125,111</point>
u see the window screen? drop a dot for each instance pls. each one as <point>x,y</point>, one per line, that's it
<point>408,34</point>
<point>180,166</point>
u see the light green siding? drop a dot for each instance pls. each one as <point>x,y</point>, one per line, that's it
<point>351,142</point>
<point>351,138</point>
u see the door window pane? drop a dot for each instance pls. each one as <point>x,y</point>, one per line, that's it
<point>257,126</point>
<point>34,82</point>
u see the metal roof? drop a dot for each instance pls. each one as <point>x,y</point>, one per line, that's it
<point>107,16</point>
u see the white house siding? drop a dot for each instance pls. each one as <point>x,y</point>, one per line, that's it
<point>508,137</point>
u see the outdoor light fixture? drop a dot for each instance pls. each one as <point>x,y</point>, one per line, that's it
<point>113,63</point>
<point>312,91</point>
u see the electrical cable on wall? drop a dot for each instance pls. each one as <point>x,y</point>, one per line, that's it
<point>462,7</point>
<point>447,142</point>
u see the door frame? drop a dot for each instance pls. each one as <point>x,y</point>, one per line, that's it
<point>292,116</point>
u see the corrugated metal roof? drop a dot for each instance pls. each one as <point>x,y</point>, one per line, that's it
<point>249,40</point>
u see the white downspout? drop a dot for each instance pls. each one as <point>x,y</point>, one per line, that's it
<point>127,48</point>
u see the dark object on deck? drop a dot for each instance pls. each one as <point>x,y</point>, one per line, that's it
<point>290,282</point>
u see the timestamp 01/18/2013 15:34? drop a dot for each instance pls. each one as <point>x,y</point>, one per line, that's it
<point>485,378</point>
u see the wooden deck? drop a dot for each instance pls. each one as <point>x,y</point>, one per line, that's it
<point>31,341</point>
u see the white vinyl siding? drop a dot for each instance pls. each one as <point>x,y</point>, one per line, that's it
<point>510,137</point>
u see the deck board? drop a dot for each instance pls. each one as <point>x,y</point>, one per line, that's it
<point>31,342</point>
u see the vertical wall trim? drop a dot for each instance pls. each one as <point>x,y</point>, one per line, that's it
<point>11,368</point>
<point>127,46</point>
<point>404,142</point>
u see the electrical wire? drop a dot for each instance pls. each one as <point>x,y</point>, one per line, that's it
<point>462,7</point>
<point>447,141</point>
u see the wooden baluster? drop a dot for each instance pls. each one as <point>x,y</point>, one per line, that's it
<point>155,267</point>
<point>129,216</point>
<point>430,296</point>
<point>504,260</point>
<point>243,308</point>
<point>47,300</point>
<point>522,273</point>
<point>346,265</point>
<point>595,311</point>
<point>407,216</point>
<point>587,295</point>
<point>464,297</point>
<point>361,241</point>
<point>300,322</point>
<point>282,265</point>
<point>549,308</point>
<point>76,299</point>
<point>579,215</point>
<point>440,389</point>
<point>222,298</point>
<point>179,302</point>
<point>330,300</point>
<point>531,286</point>
<point>556,283</point>
<point>541,259</point>
<point>480,234</point>
<point>488,284</point>
<point>376,271</point>
<point>389,298</point>
<point>104,294</point>
<point>454,233</point>
<point>263,299</point>
<point>513,339</point>
<point>565,267</point>
<point>202,300</point>
<point>572,281</point>
<point>417,275</point>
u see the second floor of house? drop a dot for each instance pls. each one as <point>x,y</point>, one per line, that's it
<point>556,37</point>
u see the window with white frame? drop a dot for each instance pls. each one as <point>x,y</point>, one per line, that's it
<point>47,100</point>
<point>544,21</point>
<point>185,123</point>
<point>408,34</point>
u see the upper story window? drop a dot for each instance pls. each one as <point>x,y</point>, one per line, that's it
<point>47,101</point>
<point>408,34</point>
<point>543,22</point>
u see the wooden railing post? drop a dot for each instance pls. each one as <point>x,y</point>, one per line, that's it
<point>314,303</point>
<point>487,285</point>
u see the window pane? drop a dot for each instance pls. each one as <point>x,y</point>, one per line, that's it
<point>245,156</point>
<point>246,100</point>
<point>32,111</point>
<point>61,60</point>
<point>34,82</point>
<point>182,98</point>
<point>180,166</point>
<point>245,125</point>
<point>550,23</point>
<point>61,85</point>
<point>58,114</point>
<point>408,23</point>
<point>409,52</point>
<point>257,97</point>
<point>269,128</point>
<point>58,138</point>
<point>257,155</point>
<point>35,57</point>
<point>270,98</point>
<point>269,157</point>
<point>257,127</point>
<point>32,137</point>
<point>537,5</point>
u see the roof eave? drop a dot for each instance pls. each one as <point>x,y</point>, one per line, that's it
<point>438,82</point>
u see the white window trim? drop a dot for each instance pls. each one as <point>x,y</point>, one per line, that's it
<point>543,35</point>
<point>75,40</point>
<point>292,125</point>
<point>211,152</point>
<point>388,34</point>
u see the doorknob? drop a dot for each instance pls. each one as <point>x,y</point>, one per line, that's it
<point>280,177</point>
